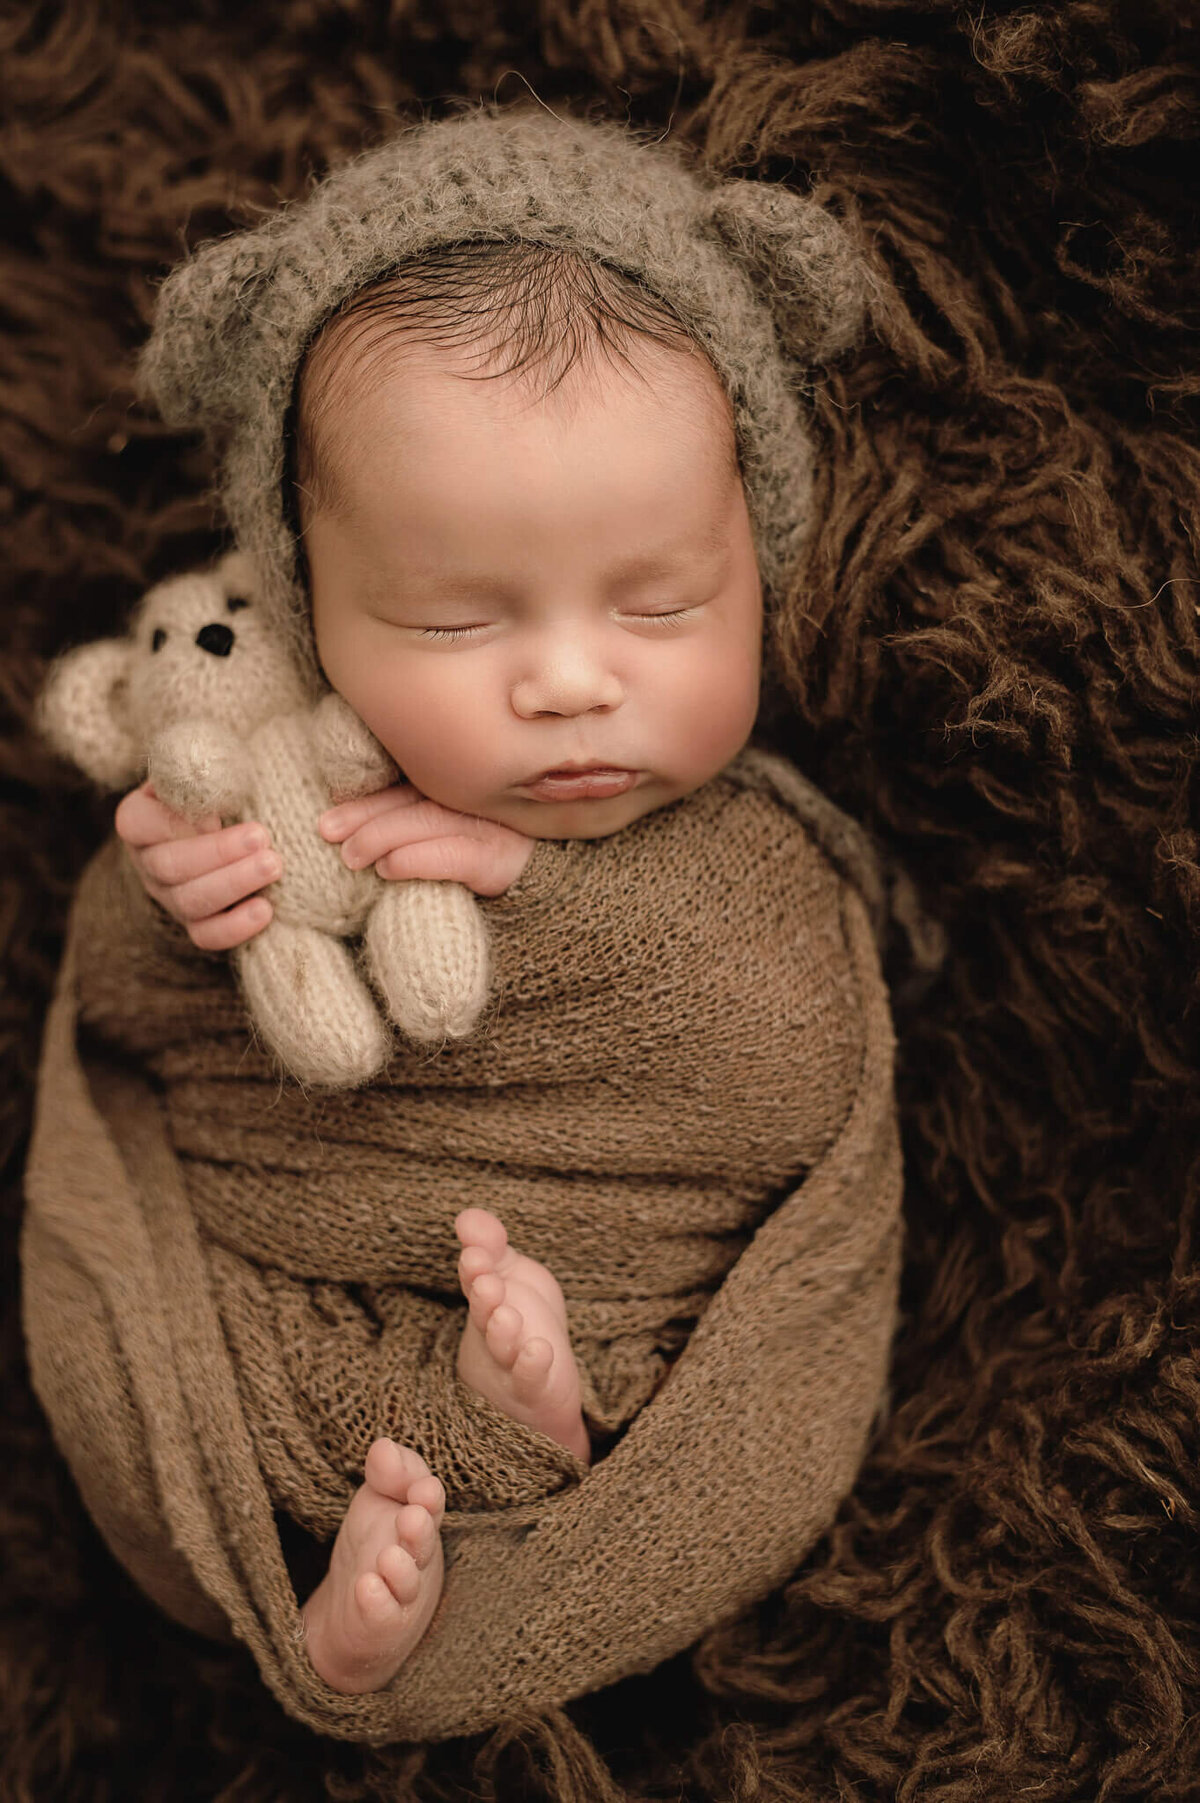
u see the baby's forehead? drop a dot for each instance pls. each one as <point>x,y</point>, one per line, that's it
<point>389,358</point>
<point>375,389</point>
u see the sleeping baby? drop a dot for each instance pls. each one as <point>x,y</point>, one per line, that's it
<point>525,547</point>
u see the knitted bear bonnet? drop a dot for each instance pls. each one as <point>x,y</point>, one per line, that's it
<point>765,282</point>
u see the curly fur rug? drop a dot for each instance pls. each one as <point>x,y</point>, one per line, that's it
<point>992,660</point>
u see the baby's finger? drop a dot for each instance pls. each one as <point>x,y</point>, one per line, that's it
<point>142,819</point>
<point>419,821</point>
<point>429,860</point>
<point>348,816</point>
<point>487,869</point>
<point>219,890</point>
<point>221,932</point>
<point>173,861</point>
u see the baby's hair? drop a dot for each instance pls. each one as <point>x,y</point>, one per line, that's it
<point>521,304</point>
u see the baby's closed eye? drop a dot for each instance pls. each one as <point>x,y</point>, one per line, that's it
<point>653,617</point>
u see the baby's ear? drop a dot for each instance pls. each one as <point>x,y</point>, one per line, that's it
<point>801,258</point>
<point>82,713</point>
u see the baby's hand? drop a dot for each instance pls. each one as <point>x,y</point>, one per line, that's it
<point>407,836</point>
<point>197,872</point>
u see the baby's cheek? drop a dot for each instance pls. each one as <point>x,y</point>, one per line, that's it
<point>436,730</point>
<point>714,711</point>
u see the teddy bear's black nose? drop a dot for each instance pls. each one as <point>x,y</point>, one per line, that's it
<point>217,639</point>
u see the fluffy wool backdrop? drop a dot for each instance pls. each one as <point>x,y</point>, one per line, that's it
<point>992,659</point>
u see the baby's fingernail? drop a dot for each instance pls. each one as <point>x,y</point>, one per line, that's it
<point>254,838</point>
<point>330,822</point>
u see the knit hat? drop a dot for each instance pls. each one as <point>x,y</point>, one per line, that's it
<point>763,279</point>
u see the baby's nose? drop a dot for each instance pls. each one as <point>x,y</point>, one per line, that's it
<point>215,638</point>
<point>566,676</point>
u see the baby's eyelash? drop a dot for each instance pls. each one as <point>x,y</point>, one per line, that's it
<point>674,618</point>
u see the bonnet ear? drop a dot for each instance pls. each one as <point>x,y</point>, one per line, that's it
<point>802,261</point>
<point>82,713</point>
<point>192,365</point>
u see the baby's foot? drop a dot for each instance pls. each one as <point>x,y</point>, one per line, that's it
<point>385,1574</point>
<point>515,1348</point>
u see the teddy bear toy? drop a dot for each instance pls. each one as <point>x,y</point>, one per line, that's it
<point>204,698</point>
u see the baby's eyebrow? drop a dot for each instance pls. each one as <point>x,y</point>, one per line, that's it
<point>638,563</point>
<point>662,563</point>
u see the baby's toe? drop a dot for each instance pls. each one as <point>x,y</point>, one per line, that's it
<point>416,1533</point>
<point>429,1493</point>
<point>375,1600</point>
<point>486,1295</point>
<point>474,1262</point>
<point>391,1468</point>
<point>479,1227</point>
<point>398,1569</point>
<point>531,1368</point>
<point>503,1334</point>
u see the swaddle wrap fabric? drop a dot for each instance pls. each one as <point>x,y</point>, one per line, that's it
<point>680,1100</point>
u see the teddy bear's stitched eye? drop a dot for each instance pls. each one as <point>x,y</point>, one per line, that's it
<point>159,639</point>
<point>235,602</point>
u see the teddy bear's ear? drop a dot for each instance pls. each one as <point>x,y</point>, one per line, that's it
<point>237,574</point>
<point>81,712</point>
<point>800,258</point>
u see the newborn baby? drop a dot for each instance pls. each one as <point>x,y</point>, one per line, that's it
<point>547,608</point>
<point>506,412</point>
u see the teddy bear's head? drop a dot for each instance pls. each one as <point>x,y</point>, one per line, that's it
<point>199,647</point>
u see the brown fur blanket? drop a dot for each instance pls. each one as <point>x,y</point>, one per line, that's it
<point>991,659</point>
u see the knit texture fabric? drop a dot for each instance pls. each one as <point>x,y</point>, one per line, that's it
<point>766,282</point>
<point>680,1100</point>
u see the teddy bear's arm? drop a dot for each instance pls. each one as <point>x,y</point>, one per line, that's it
<point>197,768</point>
<point>349,757</point>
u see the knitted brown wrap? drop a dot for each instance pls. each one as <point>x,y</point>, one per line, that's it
<point>681,1101</point>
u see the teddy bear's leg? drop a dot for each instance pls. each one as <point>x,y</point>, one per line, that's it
<point>427,950</point>
<point>311,1007</point>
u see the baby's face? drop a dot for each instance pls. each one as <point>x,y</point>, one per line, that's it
<point>504,586</point>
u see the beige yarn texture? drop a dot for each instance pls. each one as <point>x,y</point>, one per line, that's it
<point>765,280</point>
<point>680,1100</point>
